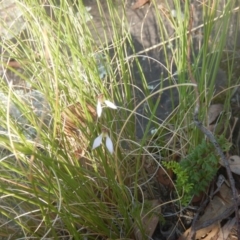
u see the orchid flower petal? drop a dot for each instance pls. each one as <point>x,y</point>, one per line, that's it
<point>109,144</point>
<point>153,131</point>
<point>97,141</point>
<point>110,104</point>
<point>99,109</point>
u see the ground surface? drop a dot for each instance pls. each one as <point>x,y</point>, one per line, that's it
<point>145,34</point>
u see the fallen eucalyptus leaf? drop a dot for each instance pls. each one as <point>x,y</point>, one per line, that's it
<point>139,4</point>
<point>149,221</point>
<point>210,232</point>
<point>164,177</point>
<point>219,208</point>
<point>213,112</point>
<point>226,229</point>
<point>234,162</point>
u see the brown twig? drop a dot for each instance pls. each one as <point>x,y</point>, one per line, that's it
<point>205,131</point>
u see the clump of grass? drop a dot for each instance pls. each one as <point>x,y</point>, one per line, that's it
<point>52,183</point>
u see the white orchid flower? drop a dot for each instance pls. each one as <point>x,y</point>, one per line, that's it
<point>99,109</point>
<point>107,102</point>
<point>110,104</point>
<point>98,141</point>
<point>109,144</point>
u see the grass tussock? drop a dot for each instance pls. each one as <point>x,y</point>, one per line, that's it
<point>71,164</point>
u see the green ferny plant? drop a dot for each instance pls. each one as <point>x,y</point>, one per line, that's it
<point>196,171</point>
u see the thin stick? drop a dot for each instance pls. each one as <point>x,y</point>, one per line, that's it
<point>206,132</point>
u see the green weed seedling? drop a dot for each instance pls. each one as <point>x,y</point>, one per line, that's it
<point>197,170</point>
